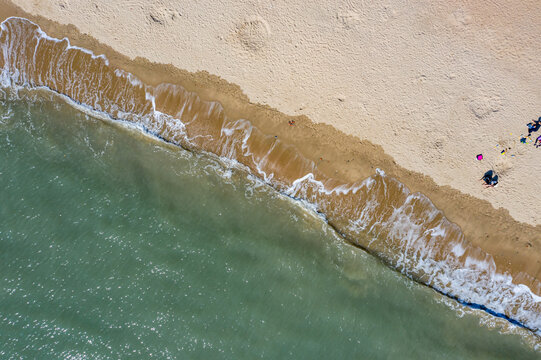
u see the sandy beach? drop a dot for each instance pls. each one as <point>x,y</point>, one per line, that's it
<point>433,83</point>
<point>417,90</point>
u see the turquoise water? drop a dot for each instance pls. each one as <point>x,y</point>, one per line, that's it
<point>113,245</point>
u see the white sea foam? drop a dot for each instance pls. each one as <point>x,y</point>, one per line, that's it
<point>408,240</point>
<point>473,280</point>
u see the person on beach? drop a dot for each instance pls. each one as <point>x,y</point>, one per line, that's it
<point>534,125</point>
<point>537,142</point>
<point>490,178</point>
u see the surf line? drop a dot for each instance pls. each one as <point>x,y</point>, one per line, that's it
<point>468,304</point>
<point>12,79</point>
<point>300,201</point>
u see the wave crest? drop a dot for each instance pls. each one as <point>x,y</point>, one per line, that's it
<point>379,213</point>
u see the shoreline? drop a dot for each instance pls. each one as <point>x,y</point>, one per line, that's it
<point>477,218</point>
<point>434,83</point>
<point>496,225</point>
<point>340,278</point>
<point>308,207</point>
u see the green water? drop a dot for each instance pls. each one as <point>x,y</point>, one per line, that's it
<point>116,246</point>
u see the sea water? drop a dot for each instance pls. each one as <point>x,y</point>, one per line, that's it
<point>116,245</point>
<point>378,213</point>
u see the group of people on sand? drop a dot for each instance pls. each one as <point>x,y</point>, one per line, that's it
<point>534,126</point>
<point>490,178</point>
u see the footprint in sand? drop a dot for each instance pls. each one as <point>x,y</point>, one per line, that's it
<point>483,105</point>
<point>163,16</point>
<point>62,4</point>
<point>460,18</point>
<point>253,34</point>
<point>349,19</point>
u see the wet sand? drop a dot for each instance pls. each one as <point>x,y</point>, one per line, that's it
<point>345,158</point>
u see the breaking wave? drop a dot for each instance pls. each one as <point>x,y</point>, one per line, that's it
<point>379,214</point>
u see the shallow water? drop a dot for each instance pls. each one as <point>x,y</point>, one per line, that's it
<point>378,213</point>
<point>114,245</point>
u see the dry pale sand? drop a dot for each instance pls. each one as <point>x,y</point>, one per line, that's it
<point>433,83</point>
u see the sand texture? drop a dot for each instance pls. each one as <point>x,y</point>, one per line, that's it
<point>433,84</point>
